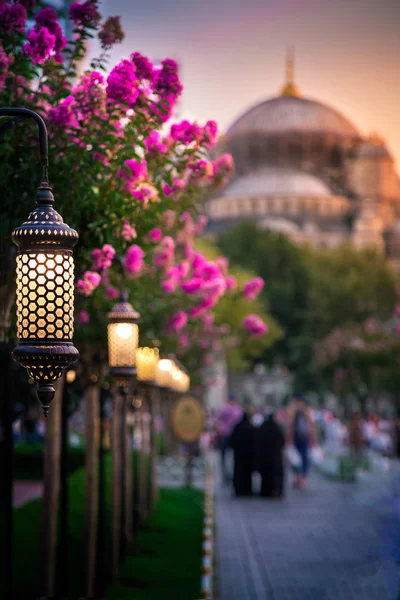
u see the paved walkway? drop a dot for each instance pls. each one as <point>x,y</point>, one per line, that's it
<point>25,491</point>
<point>321,544</point>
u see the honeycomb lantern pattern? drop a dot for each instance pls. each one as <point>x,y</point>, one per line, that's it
<point>123,339</point>
<point>45,297</point>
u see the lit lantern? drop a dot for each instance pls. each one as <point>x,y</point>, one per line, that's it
<point>123,339</point>
<point>45,280</point>
<point>146,364</point>
<point>163,373</point>
<point>45,296</point>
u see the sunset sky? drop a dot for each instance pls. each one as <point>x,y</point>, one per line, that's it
<point>232,54</point>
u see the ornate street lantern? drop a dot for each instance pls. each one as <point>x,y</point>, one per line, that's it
<point>163,373</point>
<point>146,364</point>
<point>45,281</point>
<point>123,339</point>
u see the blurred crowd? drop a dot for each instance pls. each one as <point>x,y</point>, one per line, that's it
<point>270,441</point>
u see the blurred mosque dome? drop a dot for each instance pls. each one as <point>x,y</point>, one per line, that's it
<point>302,168</point>
<point>292,114</point>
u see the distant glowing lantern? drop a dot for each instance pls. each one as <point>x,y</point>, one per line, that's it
<point>163,373</point>
<point>123,339</point>
<point>146,364</point>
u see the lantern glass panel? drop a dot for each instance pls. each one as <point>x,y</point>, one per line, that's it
<point>146,363</point>
<point>163,372</point>
<point>38,295</point>
<point>123,339</point>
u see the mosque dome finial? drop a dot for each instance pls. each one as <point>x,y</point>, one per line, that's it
<point>290,88</point>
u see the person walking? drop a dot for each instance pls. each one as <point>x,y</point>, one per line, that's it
<point>302,435</point>
<point>269,447</point>
<point>226,420</point>
<point>356,435</point>
<point>242,444</point>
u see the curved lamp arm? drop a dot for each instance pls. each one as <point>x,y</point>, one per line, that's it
<point>25,113</point>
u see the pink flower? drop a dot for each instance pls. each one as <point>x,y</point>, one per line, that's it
<point>255,326</point>
<point>192,286</point>
<point>201,224</point>
<point>186,132</point>
<point>133,260</point>
<point>155,235</point>
<point>176,189</point>
<point>137,171</point>
<point>231,283</point>
<point>169,286</point>
<point>40,46</point>
<point>183,340</point>
<point>111,292</point>
<point>145,193</point>
<point>63,115</point>
<point>111,33</point>
<point>102,258</point>
<point>12,18</point>
<point>85,14</point>
<point>143,66</point>
<point>122,84</point>
<point>83,317</point>
<point>128,232</point>
<point>178,321</point>
<point>4,63</point>
<point>203,170</point>
<point>210,133</point>
<point>88,283</point>
<point>154,144</point>
<point>164,252</point>
<point>252,288</point>
<point>166,80</point>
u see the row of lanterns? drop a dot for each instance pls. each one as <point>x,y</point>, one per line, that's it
<point>45,299</point>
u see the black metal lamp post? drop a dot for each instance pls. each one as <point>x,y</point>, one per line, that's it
<point>45,281</point>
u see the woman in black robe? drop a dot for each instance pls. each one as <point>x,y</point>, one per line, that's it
<point>242,444</point>
<point>270,443</point>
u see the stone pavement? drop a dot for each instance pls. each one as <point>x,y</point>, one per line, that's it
<point>321,544</point>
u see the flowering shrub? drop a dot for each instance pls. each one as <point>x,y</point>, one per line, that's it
<point>122,173</point>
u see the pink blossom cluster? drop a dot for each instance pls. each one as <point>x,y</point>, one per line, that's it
<point>102,257</point>
<point>46,39</point>
<point>63,115</point>
<point>202,171</point>
<point>111,33</point>
<point>89,96</point>
<point>83,317</point>
<point>189,133</point>
<point>122,83</point>
<point>89,282</point>
<point>111,292</point>
<point>224,168</point>
<point>178,321</point>
<point>12,17</point>
<point>133,261</point>
<point>255,325</point>
<point>154,143</point>
<point>175,190</point>
<point>85,14</point>
<point>154,236</point>
<point>128,232</point>
<point>4,63</point>
<point>252,288</point>
<point>164,253</point>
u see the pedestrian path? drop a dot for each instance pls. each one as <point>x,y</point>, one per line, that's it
<point>321,544</point>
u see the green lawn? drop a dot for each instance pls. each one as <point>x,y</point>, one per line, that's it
<point>168,563</point>
<point>166,566</point>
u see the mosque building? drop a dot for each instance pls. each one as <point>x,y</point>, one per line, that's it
<point>304,169</point>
